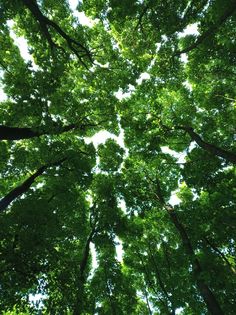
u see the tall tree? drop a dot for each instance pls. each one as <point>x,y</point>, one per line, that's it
<point>140,223</point>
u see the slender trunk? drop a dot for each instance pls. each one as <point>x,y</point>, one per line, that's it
<point>212,30</point>
<point>147,301</point>
<point>206,293</point>
<point>161,283</point>
<point>109,294</point>
<point>78,309</point>
<point>85,257</point>
<point>23,188</point>
<point>147,279</point>
<point>211,148</point>
<point>167,258</point>
<point>148,282</point>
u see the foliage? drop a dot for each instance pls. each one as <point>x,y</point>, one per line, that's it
<point>166,197</point>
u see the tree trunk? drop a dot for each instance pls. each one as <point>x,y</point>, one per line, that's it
<point>78,309</point>
<point>208,296</point>
<point>14,133</point>
<point>21,189</point>
<point>76,47</point>
<point>206,293</point>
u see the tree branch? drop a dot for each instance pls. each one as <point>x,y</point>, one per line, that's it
<point>211,31</point>
<point>17,133</point>
<point>14,133</point>
<point>45,23</point>
<point>220,254</point>
<point>211,148</point>
<point>161,283</point>
<point>23,188</point>
<point>85,257</point>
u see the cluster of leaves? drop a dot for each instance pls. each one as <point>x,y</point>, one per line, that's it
<point>167,198</point>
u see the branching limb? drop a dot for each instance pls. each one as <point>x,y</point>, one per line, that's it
<point>45,23</point>
<point>17,133</point>
<point>211,148</point>
<point>24,187</point>
<point>216,249</point>
<point>212,30</point>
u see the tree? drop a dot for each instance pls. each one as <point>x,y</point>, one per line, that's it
<point>164,200</point>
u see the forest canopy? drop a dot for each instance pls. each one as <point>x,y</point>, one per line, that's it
<point>117,157</point>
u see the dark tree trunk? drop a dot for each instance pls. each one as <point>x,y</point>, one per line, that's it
<point>23,188</point>
<point>211,148</point>
<point>45,23</point>
<point>14,133</point>
<point>78,309</point>
<point>206,293</point>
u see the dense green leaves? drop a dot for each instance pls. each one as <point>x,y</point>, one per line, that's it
<point>89,226</point>
<point>110,155</point>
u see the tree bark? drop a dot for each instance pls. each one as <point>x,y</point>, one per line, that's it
<point>211,148</point>
<point>13,133</point>
<point>17,133</point>
<point>23,188</point>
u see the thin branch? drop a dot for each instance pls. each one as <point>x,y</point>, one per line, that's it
<point>212,30</point>
<point>45,23</point>
<point>220,254</point>
<point>161,283</point>
<point>139,23</point>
